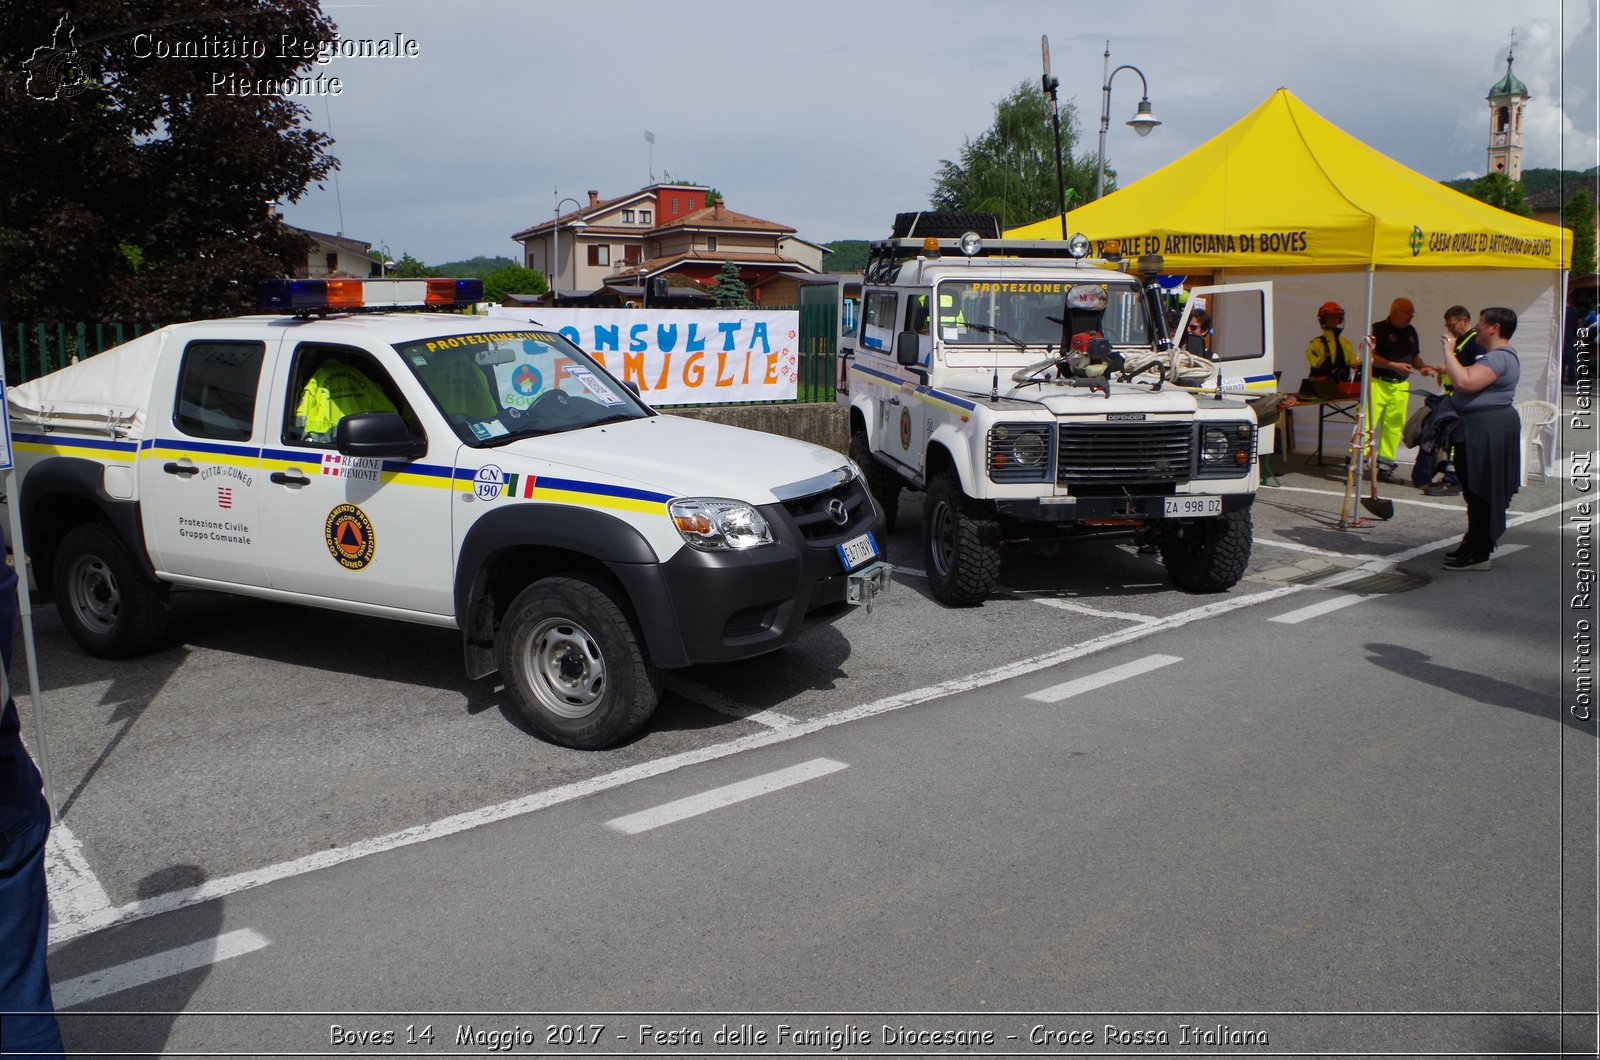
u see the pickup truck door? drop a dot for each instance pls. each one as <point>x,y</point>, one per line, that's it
<point>199,474</point>
<point>355,534</point>
<point>1241,323</point>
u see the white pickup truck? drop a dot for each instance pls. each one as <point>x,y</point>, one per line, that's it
<point>434,468</point>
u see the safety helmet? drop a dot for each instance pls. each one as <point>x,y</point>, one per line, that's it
<point>1330,307</point>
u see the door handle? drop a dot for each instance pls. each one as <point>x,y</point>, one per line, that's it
<point>289,478</point>
<point>172,467</point>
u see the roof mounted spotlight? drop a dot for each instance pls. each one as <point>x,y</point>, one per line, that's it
<point>970,243</point>
<point>1078,245</point>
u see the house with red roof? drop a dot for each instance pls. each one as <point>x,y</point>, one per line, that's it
<point>665,237</point>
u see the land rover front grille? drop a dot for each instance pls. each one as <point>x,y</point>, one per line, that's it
<point>1124,452</point>
<point>816,515</point>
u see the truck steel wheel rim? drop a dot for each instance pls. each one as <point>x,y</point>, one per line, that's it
<point>96,600</point>
<point>944,537</point>
<point>564,668</point>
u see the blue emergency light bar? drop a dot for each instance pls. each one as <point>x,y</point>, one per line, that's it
<point>347,296</point>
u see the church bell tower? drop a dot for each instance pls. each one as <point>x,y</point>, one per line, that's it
<point>1507,100</point>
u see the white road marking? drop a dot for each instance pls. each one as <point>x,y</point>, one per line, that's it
<point>1085,609</point>
<point>1332,604</point>
<point>120,977</point>
<point>723,705</point>
<point>1056,693</point>
<point>75,892</point>
<point>727,795</point>
<point>223,886</point>
<point>1397,500</point>
<point>1292,546</point>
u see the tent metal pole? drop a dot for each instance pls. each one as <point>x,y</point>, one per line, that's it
<point>1370,442</point>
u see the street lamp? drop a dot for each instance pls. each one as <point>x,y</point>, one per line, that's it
<point>555,257</point>
<point>387,263</point>
<point>1142,121</point>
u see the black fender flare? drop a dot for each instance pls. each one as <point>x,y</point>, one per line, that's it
<point>597,536</point>
<point>84,481</point>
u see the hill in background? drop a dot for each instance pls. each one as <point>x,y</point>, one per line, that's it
<point>479,266</point>
<point>1535,181</point>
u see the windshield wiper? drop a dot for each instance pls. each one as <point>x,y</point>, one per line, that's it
<point>1004,334</point>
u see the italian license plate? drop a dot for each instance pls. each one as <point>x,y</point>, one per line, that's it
<point>857,551</point>
<point>1188,507</point>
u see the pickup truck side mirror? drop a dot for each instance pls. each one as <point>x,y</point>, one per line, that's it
<point>377,434</point>
<point>907,351</point>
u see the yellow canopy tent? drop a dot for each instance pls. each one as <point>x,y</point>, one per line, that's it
<point>1284,194</point>
<point>1285,188</point>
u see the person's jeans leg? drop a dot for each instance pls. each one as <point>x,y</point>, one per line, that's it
<point>24,934</point>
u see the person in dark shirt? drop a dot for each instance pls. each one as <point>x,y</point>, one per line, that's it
<point>1396,355</point>
<point>24,909</point>
<point>1461,338</point>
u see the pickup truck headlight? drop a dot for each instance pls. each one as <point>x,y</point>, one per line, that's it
<point>1226,449</point>
<point>713,525</point>
<point>1019,452</point>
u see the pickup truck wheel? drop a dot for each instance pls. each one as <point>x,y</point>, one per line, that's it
<point>961,540</point>
<point>573,665</point>
<point>106,602</point>
<point>883,484</point>
<point>1207,555</point>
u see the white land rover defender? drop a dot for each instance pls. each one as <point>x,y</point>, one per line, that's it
<point>1034,394</point>
<point>443,469</point>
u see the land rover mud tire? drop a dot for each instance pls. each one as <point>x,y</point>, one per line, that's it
<point>1207,555</point>
<point>573,666</point>
<point>107,603</point>
<point>961,543</point>
<point>882,483</point>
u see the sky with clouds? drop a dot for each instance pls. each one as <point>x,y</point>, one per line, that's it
<point>832,115</point>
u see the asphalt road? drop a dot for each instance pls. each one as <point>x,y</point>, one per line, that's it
<point>1358,812</point>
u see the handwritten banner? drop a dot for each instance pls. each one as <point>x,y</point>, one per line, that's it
<point>685,356</point>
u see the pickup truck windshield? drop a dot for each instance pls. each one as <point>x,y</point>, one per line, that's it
<point>970,310</point>
<point>495,387</point>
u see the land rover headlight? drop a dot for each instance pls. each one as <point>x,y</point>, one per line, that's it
<point>714,525</point>
<point>1019,452</point>
<point>1226,448</point>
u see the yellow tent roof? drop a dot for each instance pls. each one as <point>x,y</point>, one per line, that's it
<point>1284,187</point>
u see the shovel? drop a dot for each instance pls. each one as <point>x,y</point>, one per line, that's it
<point>1379,506</point>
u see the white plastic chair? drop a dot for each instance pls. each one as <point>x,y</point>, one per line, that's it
<point>1535,416</point>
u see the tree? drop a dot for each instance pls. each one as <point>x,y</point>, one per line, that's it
<point>730,292</point>
<point>410,268</point>
<point>138,183</point>
<point>1010,170</point>
<point>1578,216</point>
<point>1500,191</point>
<point>512,279</point>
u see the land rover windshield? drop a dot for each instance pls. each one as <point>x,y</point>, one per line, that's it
<point>495,387</point>
<point>985,312</point>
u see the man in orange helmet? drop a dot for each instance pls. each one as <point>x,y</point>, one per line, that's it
<point>1330,354</point>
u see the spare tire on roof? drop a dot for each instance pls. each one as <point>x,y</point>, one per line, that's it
<point>944,225</point>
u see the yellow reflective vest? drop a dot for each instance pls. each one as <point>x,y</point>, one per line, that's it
<point>334,391</point>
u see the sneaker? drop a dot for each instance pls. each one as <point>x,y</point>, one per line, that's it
<point>1443,489</point>
<point>1460,562</point>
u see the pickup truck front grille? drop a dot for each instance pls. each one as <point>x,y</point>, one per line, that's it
<point>1125,452</point>
<point>811,514</point>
